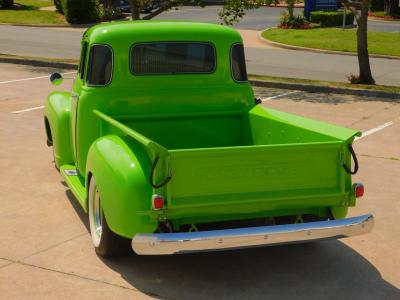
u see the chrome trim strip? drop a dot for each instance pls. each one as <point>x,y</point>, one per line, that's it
<point>172,243</point>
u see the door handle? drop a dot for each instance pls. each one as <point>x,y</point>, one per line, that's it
<point>75,97</point>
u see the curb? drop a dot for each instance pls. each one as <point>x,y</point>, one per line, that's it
<point>377,19</point>
<point>325,89</point>
<point>291,47</point>
<point>38,63</point>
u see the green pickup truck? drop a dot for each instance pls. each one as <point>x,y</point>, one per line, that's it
<point>165,147</point>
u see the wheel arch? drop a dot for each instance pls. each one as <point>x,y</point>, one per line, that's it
<point>121,169</point>
<point>56,122</point>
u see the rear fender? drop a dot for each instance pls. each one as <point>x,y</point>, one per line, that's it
<point>57,115</point>
<point>121,168</point>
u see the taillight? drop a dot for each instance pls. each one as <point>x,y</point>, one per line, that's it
<point>158,202</point>
<point>358,190</point>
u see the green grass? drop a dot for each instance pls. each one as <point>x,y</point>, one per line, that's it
<point>34,4</point>
<point>31,17</point>
<point>387,43</point>
<point>27,12</point>
<point>385,88</point>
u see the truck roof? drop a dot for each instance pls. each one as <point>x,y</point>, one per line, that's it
<point>146,31</point>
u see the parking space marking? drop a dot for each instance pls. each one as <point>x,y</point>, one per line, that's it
<point>374,130</point>
<point>28,109</point>
<point>279,96</point>
<point>32,78</point>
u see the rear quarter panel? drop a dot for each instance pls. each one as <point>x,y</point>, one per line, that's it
<point>121,169</point>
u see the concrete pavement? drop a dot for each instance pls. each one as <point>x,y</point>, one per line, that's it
<point>45,247</point>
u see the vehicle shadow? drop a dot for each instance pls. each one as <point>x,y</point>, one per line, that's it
<point>78,208</point>
<point>327,269</point>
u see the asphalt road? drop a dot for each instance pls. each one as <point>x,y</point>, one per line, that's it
<point>46,251</point>
<point>261,59</point>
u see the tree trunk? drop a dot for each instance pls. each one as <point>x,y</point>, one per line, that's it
<point>362,48</point>
<point>135,9</point>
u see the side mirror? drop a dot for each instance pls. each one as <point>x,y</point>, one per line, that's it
<point>56,78</point>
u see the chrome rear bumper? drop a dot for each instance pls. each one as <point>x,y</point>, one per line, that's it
<point>171,243</point>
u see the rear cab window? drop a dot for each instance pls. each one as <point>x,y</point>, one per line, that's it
<point>100,65</point>
<point>238,63</point>
<point>172,58</point>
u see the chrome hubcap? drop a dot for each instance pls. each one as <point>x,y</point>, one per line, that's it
<point>97,213</point>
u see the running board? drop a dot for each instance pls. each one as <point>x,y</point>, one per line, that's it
<point>76,183</point>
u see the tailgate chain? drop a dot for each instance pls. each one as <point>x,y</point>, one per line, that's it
<point>353,155</point>
<point>153,167</point>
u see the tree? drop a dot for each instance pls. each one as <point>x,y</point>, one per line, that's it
<point>360,10</point>
<point>234,10</point>
<point>81,11</point>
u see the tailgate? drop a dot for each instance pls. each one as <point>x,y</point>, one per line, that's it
<point>218,176</point>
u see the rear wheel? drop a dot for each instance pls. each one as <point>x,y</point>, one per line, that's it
<point>105,241</point>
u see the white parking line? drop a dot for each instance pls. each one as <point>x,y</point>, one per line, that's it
<point>28,109</point>
<point>374,130</point>
<point>278,96</point>
<point>32,78</point>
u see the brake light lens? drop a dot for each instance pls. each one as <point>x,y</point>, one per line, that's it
<point>158,202</point>
<point>358,190</point>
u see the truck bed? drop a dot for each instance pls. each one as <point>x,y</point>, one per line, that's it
<point>219,129</point>
<point>248,162</point>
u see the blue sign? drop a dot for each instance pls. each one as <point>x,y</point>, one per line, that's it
<point>321,5</point>
<point>326,5</point>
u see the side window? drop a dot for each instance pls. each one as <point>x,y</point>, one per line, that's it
<point>238,63</point>
<point>82,63</point>
<point>100,65</point>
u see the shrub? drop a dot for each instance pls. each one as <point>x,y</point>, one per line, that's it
<point>6,4</point>
<point>296,22</point>
<point>58,5</point>
<point>81,11</point>
<point>331,18</point>
<point>354,79</point>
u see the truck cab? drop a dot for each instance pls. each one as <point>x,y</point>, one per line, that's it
<point>166,149</point>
